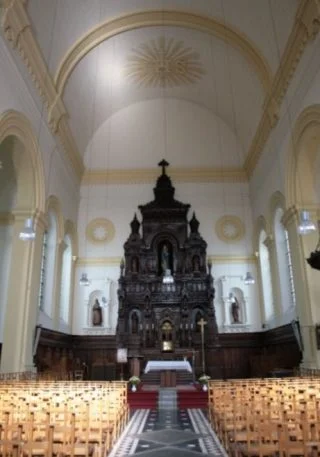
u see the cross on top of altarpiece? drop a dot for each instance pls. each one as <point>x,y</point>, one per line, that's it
<point>163,164</point>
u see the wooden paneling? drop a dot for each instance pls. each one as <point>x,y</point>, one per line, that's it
<point>238,355</point>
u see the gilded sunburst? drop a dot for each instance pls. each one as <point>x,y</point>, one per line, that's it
<point>164,63</point>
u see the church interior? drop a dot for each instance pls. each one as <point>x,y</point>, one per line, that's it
<point>159,226</point>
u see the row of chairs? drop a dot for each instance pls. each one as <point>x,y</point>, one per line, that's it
<point>46,418</point>
<point>267,417</point>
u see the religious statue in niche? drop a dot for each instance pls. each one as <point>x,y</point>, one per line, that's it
<point>235,309</point>
<point>196,263</point>
<point>96,314</point>
<point>135,265</point>
<point>165,258</point>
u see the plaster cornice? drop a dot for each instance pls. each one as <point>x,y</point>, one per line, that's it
<point>115,261</point>
<point>141,19</point>
<point>99,261</point>
<point>305,29</point>
<point>138,176</point>
<point>17,29</point>
<point>216,259</point>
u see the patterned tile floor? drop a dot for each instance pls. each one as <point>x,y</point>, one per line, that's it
<point>168,433</point>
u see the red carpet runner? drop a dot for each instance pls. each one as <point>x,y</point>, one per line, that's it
<point>148,399</point>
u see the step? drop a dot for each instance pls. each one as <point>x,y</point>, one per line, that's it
<point>167,398</point>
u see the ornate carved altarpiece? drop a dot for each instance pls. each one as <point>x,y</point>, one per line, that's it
<point>159,319</point>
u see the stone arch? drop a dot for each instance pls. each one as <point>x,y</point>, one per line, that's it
<point>300,159</point>
<point>95,295</point>
<point>277,200</point>
<point>30,179</point>
<point>53,204</point>
<point>238,293</point>
<point>70,229</point>
<point>261,224</point>
<point>196,314</point>
<point>134,321</point>
<point>212,26</point>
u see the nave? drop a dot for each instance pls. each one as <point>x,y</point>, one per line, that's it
<point>164,432</point>
<point>241,417</point>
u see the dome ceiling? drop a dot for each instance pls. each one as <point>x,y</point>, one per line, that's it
<point>214,58</point>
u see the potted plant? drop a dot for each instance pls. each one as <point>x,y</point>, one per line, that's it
<point>203,379</point>
<point>134,381</point>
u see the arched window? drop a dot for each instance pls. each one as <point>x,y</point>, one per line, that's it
<point>48,270</point>
<point>66,280</point>
<point>288,295</point>
<point>43,270</point>
<point>266,276</point>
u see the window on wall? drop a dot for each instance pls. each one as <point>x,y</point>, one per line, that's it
<point>49,266</point>
<point>266,276</point>
<point>66,280</point>
<point>43,271</point>
<point>288,295</point>
<point>290,269</point>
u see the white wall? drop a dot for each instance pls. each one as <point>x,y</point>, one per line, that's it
<point>184,133</point>
<point>118,203</point>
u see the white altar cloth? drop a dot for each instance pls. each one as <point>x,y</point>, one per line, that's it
<point>158,365</point>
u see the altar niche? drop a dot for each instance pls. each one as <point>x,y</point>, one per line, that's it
<point>166,312</point>
<point>167,337</point>
<point>165,257</point>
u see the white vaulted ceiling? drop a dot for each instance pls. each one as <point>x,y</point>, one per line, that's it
<point>219,56</point>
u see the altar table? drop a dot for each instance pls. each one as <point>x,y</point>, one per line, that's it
<point>168,370</point>
<point>159,365</point>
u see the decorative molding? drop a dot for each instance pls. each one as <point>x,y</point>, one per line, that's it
<point>216,259</point>
<point>164,62</point>
<point>115,261</point>
<point>290,216</point>
<point>13,123</point>
<point>99,332</point>
<point>163,18</point>
<point>17,29</point>
<point>149,175</point>
<point>99,261</point>
<point>236,328</point>
<point>230,228</point>
<point>53,204</point>
<point>306,126</point>
<point>100,231</point>
<point>305,29</point>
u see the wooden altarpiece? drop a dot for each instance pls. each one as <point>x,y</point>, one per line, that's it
<point>159,318</point>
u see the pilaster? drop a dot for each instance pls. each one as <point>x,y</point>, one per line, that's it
<point>307,286</point>
<point>22,300</point>
<point>61,246</point>
<point>276,294</point>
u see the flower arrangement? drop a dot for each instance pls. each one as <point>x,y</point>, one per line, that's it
<point>134,380</point>
<point>204,378</point>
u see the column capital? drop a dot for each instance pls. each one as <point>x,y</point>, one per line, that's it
<point>39,218</point>
<point>309,16</point>
<point>269,242</point>
<point>290,216</point>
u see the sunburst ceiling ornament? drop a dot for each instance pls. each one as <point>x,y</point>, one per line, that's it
<point>100,230</point>
<point>230,228</point>
<point>164,63</point>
